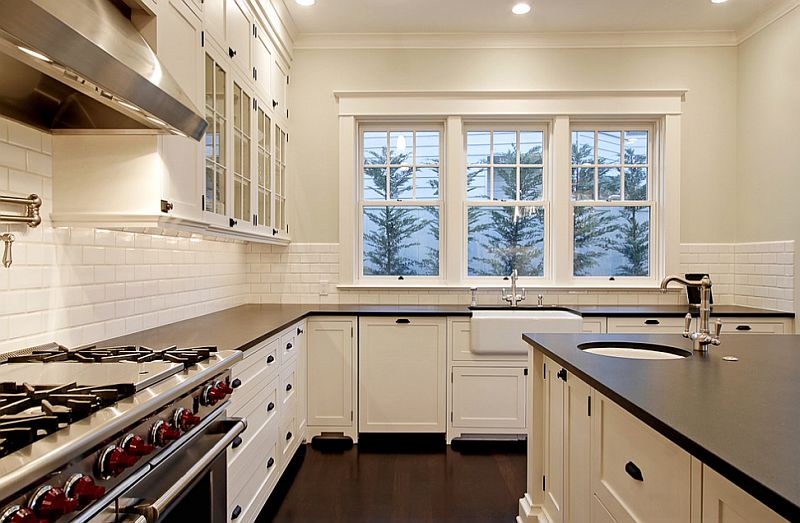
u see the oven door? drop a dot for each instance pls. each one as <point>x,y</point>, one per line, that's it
<point>188,485</point>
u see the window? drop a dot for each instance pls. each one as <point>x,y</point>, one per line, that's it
<point>400,204</point>
<point>612,204</point>
<point>505,202</point>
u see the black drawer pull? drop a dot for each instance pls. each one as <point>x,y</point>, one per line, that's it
<point>633,471</point>
<point>299,331</point>
<point>236,442</point>
<point>236,383</point>
<point>270,359</point>
<point>289,346</point>
<point>236,512</point>
<point>231,52</point>
<point>270,462</point>
<point>652,322</point>
<point>402,320</point>
<point>270,407</point>
<point>288,387</point>
<point>288,436</point>
<point>744,328</point>
<point>562,374</point>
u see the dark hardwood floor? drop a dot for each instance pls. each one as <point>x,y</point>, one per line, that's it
<point>401,480</point>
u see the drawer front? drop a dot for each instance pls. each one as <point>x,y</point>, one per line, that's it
<point>594,325</point>
<point>724,502</point>
<point>637,474</point>
<point>246,457</point>
<point>647,325</point>
<point>262,409</point>
<point>288,438</point>
<point>246,490</point>
<point>754,326</point>
<point>289,382</point>
<point>489,397</point>
<point>289,347</point>
<point>263,368</point>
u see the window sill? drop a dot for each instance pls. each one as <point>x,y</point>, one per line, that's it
<point>628,287</point>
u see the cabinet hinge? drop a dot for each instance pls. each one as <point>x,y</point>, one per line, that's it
<point>202,202</point>
<point>525,372</point>
<point>287,79</point>
<point>451,416</point>
<point>544,484</point>
<point>255,103</point>
<point>351,331</point>
<point>202,38</point>
<point>255,220</point>
<point>255,74</point>
<point>544,371</point>
<point>451,377</point>
<point>351,415</point>
<point>589,402</point>
<point>255,29</point>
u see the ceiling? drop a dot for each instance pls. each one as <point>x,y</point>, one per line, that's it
<point>494,16</point>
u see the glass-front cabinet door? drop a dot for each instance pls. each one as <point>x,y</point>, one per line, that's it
<point>242,158</point>
<point>216,161</point>
<point>264,189</point>
<point>281,140</point>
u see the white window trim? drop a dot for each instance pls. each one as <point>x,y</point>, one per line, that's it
<point>663,106</point>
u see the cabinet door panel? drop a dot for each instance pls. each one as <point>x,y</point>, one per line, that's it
<point>214,19</point>
<point>577,458</point>
<point>330,372</point>
<point>402,374</point>
<point>754,326</point>
<point>637,474</point>
<point>653,325</point>
<point>489,397</point>
<point>280,80</point>
<point>238,32</point>
<point>724,502</point>
<point>553,442</point>
<point>262,62</point>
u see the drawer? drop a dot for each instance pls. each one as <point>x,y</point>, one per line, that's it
<point>289,344</point>
<point>594,325</point>
<point>289,382</point>
<point>288,437</point>
<point>243,459</point>
<point>654,324</point>
<point>732,325</point>
<point>262,408</point>
<point>245,489</point>
<point>262,369</point>
<point>637,474</point>
<point>488,397</point>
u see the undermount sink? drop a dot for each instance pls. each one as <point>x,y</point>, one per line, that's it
<point>498,331</point>
<point>636,351</point>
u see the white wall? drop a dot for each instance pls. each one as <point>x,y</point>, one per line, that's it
<point>768,123</point>
<point>709,121</point>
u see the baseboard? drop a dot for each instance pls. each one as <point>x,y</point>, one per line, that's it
<point>530,513</point>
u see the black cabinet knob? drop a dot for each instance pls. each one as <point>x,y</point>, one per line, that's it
<point>402,320</point>
<point>274,232</point>
<point>288,436</point>
<point>270,407</point>
<point>270,359</point>
<point>236,383</point>
<point>231,52</point>
<point>232,222</point>
<point>289,346</point>
<point>634,471</point>
<point>270,462</point>
<point>274,104</point>
<point>288,387</point>
<point>744,328</point>
<point>300,331</point>
<point>236,512</point>
<point>652,322</point>
<point>236,442</point>
<point>562,374</point>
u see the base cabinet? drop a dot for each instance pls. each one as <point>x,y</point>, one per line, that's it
<point>489,397</point>
<point>331,375</point>
<point>724,502</point>
<point>402,374</point>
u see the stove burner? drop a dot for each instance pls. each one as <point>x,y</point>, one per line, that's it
<point>139,354</point>
<point>29,412</point>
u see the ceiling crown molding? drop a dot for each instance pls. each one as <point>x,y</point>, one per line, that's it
<point>515,40</point>
<point>766,19</point>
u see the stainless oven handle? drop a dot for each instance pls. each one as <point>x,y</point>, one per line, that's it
<point>153,511</point>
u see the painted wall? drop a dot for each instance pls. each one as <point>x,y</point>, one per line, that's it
<point>768,123</point>
<point>709,123</point>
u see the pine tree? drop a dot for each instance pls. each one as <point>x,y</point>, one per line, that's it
<point>632,240</point>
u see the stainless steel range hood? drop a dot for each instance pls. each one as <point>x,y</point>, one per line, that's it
<point>77,66</point>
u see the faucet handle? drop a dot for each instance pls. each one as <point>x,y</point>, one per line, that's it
<point>717,329</point>
<point>523,295</point>
<point>687,324</point>
<point>540,299</point>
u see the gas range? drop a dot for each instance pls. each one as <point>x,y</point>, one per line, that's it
<point>81,427</point>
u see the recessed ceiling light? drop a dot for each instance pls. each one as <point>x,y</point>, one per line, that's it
<point>33,53</point>
<point>306,3</point>
<point>718,1</point>
<point>521,9</point>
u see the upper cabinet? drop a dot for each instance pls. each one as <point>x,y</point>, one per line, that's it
<point>226,57</point>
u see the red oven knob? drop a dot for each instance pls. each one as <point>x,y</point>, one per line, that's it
<point>162,433</point>
<point>17,514</point>
<point>223,387</point>
<point>211,395</point>
<point>113,461</point>
<point>136,446</point>
<point>51,503</point>
<point>82,488</point>
<point>184,419</point>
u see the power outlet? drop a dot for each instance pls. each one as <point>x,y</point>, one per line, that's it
<point>323,287</point>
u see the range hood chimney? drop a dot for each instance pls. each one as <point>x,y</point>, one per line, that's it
<point>80,66</point>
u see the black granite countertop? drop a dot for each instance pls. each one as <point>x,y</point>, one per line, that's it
<point>247,325</point>
<point>740,418</point>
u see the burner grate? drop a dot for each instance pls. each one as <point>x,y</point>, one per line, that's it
<point>133,353</point>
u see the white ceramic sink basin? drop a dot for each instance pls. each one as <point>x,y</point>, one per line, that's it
<point>642,351</point>
<point>500,331</point>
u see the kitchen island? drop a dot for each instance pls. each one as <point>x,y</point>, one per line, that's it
<point>688,439</point>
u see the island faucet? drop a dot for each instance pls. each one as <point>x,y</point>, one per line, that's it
<point>702,338</point>
<point>513,298</point>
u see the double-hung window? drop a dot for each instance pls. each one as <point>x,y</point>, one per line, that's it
<point>505,211</point>
<point>400,203</point>
<point>613,201</point>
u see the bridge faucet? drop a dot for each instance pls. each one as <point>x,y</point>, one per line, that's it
<point>513,298</point>
<point>702,338</point>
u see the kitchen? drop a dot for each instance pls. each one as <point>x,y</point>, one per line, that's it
<point>333,210</point>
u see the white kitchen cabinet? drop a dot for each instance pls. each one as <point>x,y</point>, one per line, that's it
<point>229,24</point>
<point>262,65</point>
<point>489,397</point>
<point>331,353</point>
<point>594,325</point>
<point>567,446</point>
<point>645,325</point>
<point>744,325</point>
<point>637,474</point>
<point>724,502</point>
<point>243,158</point>
<point>280,87</point>
<point>402,374</point>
